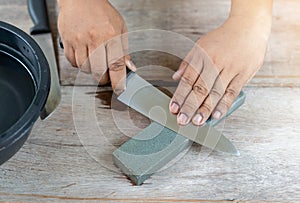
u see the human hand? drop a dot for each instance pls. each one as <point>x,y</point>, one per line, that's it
<point>217,68</point>
<point>91,31</point>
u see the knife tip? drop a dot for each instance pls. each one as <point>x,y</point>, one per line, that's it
<point>237,153</point>
<point>234,151</point>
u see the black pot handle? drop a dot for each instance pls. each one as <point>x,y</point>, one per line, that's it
<point>38,12</point>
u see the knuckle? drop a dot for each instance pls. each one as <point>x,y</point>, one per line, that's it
<point>205,109</point>
<point>187,79</point>
<point>111,30</point>
<point>226,102</point>
<point>127,56</point>
<point>93,35</point>
<point>183,64</point>
<point>220,62</point>
<point>224,105</point>
<point>231,93</point>
<point>200,89</point>
<point>189,107</point>
<point>215,92</point>
<point>79,37</point>
<point>117,65</point>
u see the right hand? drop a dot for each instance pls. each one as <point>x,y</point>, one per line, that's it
<point>92,34</point>
<point>216,69</point>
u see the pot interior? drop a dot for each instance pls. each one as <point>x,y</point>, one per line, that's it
<point>17,90</point>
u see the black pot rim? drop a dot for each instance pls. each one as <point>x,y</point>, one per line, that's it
<point>42,82</point>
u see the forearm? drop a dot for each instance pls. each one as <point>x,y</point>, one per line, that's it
<point>253,12</point>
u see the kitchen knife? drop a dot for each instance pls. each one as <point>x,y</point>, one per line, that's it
<point>42,35</point>
<point>152,103</point>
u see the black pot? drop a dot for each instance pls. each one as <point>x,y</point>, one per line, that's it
<point>24,87</point>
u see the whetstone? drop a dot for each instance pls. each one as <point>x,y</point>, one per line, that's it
<point>154,147</point>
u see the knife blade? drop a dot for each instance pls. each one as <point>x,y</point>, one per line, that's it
<point>42,35</point>
<point>152,103</point>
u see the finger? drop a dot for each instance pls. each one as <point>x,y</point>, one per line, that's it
<point>82,61</point>
<point>212,99</point>
<point>184,64</point>
<point>129,63</point>
<point>70,54</point>
<point>186,84</point>
<point>231,93</point>
<point>116,64</point>
<point>105,78</point>
<point>200,91</point>
<point>124,39</point>
<point>98,64</point>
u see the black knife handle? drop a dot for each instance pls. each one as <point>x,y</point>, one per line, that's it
<point>39,15</point>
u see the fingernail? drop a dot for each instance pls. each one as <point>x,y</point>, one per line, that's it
<point>197,119</point>
<point>176,76</point>
<point>217,115</point>
<point>174,108</point>
<point>131,65</point>
<point>182,119</point>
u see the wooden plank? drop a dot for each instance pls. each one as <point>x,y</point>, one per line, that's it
<point>192,19</point>
<point>15,12</point>
<point>54,164</point>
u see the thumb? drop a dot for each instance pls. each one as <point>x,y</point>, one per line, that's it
<point>128,60</point>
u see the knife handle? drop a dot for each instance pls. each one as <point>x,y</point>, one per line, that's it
<point>39,15</point>
<point>236,104</point>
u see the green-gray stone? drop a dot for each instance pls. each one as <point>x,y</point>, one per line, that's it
<point>152,148</point>
<point>139,158</point>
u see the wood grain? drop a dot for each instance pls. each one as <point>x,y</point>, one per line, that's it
<point>192,19</point>
<point>55,165</point>
<point>68,156</point>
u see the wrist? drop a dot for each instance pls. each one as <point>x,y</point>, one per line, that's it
<point>251,24</point>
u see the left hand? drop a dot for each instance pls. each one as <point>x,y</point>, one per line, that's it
<point>216,69</point>
<point>94,35</point>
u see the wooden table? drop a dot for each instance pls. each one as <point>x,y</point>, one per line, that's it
<point>64,162</point>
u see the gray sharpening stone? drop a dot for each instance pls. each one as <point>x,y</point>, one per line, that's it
<point>155,146</point>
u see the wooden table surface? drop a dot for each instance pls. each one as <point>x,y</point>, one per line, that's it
<point>68,156</point>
